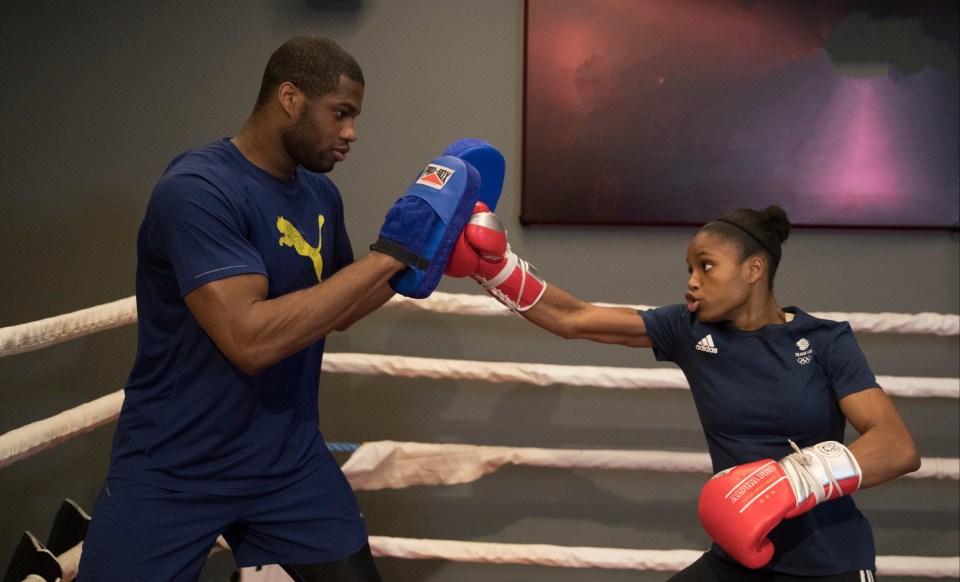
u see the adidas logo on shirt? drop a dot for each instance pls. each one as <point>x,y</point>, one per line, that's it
<point>706,345</point>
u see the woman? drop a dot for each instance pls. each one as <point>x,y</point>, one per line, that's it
<point>766,381</point>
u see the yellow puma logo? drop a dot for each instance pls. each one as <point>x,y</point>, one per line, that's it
<point>292,238</point>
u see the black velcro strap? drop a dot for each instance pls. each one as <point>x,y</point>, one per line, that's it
<point>413,260</point>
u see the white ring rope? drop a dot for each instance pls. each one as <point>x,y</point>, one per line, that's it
<point>586,557</point>
<point>884,322</point>
<point>26,441</point>
<point>586,376</point>
<point>542,554</point>
<point>557,556</point>
<point>31,336</point>
<point>396,465</point>
<point>389,464</point>
<point>552,555</point>
<point>34,335</point>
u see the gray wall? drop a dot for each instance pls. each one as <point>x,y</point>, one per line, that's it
<point>97,96</point>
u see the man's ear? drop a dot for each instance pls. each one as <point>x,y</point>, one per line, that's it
<point>290,98</point>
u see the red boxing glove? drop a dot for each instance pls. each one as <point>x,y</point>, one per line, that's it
<point>483,253</point>
<point>740,506</point>
<point>464,260</point>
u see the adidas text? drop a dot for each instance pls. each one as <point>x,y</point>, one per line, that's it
<point>706,345</point>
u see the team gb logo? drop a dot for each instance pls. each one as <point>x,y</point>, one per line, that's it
<point>805,355</point>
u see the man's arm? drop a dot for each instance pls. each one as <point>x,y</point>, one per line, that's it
<point>254,332</point>
<point>373,300</point>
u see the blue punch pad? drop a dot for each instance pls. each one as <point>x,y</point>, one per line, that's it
<point>487,160</point>
<point>427,220</point>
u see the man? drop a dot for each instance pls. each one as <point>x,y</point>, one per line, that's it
<point>244,266</point>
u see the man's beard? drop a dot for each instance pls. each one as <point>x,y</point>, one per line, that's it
<point>300,140</point>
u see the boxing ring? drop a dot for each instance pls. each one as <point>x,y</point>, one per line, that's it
<point>397,465</point>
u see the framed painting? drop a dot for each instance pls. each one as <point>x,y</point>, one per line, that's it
<point>645,112</point>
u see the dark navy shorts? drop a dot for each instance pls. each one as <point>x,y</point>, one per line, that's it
<point>145,533</point>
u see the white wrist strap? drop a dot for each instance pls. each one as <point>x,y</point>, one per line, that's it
<point>512,263</point>
<point>817,470</point>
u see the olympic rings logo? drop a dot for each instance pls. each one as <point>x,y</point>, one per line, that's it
<point>804,360</point>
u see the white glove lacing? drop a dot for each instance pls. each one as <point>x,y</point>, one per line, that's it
<point>811,471</point>
<point>511,262</point>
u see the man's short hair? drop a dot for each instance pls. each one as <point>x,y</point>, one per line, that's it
<point>314,64</point>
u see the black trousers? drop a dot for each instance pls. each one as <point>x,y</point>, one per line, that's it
<point>358,567</point>
<point>712,568</point>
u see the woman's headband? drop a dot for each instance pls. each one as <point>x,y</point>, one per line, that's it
<point>775,255</point>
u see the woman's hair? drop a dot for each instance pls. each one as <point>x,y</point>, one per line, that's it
<point>313,63</point>
<point>754,232</point>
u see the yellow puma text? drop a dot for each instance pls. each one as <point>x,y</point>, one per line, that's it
<point>292,238</point>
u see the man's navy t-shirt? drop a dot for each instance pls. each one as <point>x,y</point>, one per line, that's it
<point>190,420</point>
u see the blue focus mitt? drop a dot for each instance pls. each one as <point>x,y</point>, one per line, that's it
<point>423,225</point>
<point>487,160</point>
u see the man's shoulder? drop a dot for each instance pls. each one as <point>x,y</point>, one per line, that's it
<point>206,159</point>
<point>196,175</point>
